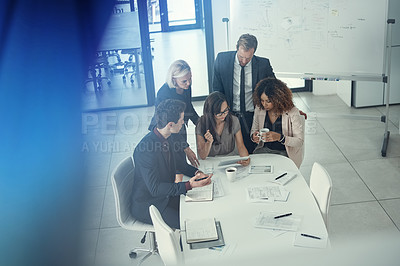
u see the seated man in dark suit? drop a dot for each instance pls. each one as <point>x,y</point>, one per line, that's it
<point>156,164</point>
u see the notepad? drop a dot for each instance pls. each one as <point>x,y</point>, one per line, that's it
<point>201,230</point>
<point>267,220</point>
<point>219,243</point>
<point>200,193</point>
<point>309,242</point>
<point>286,179</point>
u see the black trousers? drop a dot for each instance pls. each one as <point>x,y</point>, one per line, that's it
<point>246,121</point>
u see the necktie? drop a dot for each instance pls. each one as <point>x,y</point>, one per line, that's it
<point>242,96</point>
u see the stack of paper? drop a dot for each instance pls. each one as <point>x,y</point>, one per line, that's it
<point>201,230</point>
<point>267,220</point>
<point>200,193</point>
<point>266,193</point>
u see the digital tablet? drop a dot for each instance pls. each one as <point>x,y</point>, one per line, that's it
<point>231,161</point>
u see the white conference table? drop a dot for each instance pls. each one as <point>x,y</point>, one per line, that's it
<point>243,241</point>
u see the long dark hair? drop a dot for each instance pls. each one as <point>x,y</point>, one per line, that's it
<point>212,106</point>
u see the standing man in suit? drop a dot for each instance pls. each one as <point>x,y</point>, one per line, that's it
<point>156,162</point>
<point>236,74</point>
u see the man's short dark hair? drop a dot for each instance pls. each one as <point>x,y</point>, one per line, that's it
<point>169,111</point>
<point>247,41</point>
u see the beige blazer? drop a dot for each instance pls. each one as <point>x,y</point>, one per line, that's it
<point>292,128</point>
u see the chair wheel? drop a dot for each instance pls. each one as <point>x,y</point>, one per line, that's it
<point>108,82</point>
<point>124,79</point>
<point>132,255</point>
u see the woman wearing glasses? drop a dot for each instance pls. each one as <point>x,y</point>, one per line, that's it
<point>218,131</point>
<point>178,86</point>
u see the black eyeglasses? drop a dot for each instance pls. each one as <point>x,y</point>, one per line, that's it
<point>223,113</point>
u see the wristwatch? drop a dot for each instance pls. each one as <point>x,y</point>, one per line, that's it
<point>282,140</point>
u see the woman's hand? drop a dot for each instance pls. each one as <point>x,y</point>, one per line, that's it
<point>208,136</point>
<point>244,162</point>
<point>192,157</point>
<point>272,136</point>
<point>255,137</point>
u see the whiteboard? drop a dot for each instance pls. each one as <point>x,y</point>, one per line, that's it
<point>315,36</point>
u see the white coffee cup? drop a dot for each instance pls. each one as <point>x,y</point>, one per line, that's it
<point>231,173</point>
<point>262,131</point>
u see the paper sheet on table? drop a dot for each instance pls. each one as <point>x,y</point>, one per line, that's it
<point>303,241</point>
<point>267,220</point>
<point>218,188</point>
<point>266,193</point>
<point>285,179</point>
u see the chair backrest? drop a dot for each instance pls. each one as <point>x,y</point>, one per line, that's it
<point>167,240</point>
<point>321,187</point>
<point>122,182</point>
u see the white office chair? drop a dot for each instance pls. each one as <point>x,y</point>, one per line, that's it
<point>167,240</point>
<point>122,182</point>
<point>321,187</point>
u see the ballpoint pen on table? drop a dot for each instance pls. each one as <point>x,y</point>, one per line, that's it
<point>311,236</point>
<point>282,175</point>
<point>283,215</point>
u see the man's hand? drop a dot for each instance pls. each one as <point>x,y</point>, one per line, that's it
<point>201,182</point>
<point>192,157</point>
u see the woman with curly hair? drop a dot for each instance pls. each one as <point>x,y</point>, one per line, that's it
<point>275,110</point>
<point>218,131</point>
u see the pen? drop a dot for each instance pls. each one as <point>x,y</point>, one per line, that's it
<point>283,215</point>
<point>199,179</point>
<point>282,175</point>
<point>306,235</point>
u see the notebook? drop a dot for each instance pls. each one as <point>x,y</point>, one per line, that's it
<point>200,193</point>
<point>212,243</point>
<point>201,230</point>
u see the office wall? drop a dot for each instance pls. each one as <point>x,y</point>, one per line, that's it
<point>220,9</point>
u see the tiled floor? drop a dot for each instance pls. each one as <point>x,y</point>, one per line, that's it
<point>366,187</point>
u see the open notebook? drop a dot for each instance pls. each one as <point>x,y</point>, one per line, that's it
<point>200,193</point>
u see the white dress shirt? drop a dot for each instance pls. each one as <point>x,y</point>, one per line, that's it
<point>247,86</point>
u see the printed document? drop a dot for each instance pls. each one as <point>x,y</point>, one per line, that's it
<point>267,220</point>
<point>266,193</point>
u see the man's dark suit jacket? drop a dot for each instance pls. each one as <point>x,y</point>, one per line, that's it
<point>223,73</point>
<point>154,181</point>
